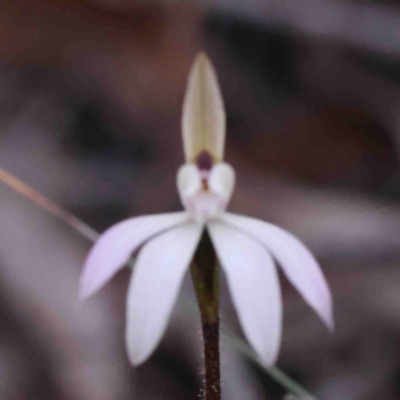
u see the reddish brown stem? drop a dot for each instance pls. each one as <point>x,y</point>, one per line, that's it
<point>212,361</point>
<point>205,274</point>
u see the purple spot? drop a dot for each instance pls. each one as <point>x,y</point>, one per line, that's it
<point>204,161</point>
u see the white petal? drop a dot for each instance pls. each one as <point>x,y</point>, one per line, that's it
<point>297,262</point>
<point>188,181</point>
<point>116,244</point>
<point>254,287</point>
<point>203,118</point>
<point>205,206</point>
<point>222,180</point>
<point>154,287</point>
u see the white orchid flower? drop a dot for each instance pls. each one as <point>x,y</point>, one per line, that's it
<point>247,248</point>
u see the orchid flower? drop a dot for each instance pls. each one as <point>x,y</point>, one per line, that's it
<point>246,248</point>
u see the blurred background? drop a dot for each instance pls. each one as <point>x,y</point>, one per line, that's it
<point>91,94</point>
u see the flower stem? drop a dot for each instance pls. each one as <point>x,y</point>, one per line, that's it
<point>205,275</point>
<point>212,362</point>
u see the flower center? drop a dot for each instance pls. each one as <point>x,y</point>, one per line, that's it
<point>204,161</point>
<point>205,192</point>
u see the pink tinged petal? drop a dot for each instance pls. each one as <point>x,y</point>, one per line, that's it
<point>114,247</point>
<point>297,262</point>
<point>254,286</point>
<point>203,117</point>
<point>154,287</point>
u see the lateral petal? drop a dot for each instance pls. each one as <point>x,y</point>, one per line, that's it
<point>297,262</point>
<point>116,244</point>
<point>154,287</point>
<point>254,287</point>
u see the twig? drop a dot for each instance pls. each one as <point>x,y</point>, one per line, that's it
<point>41,201</point>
